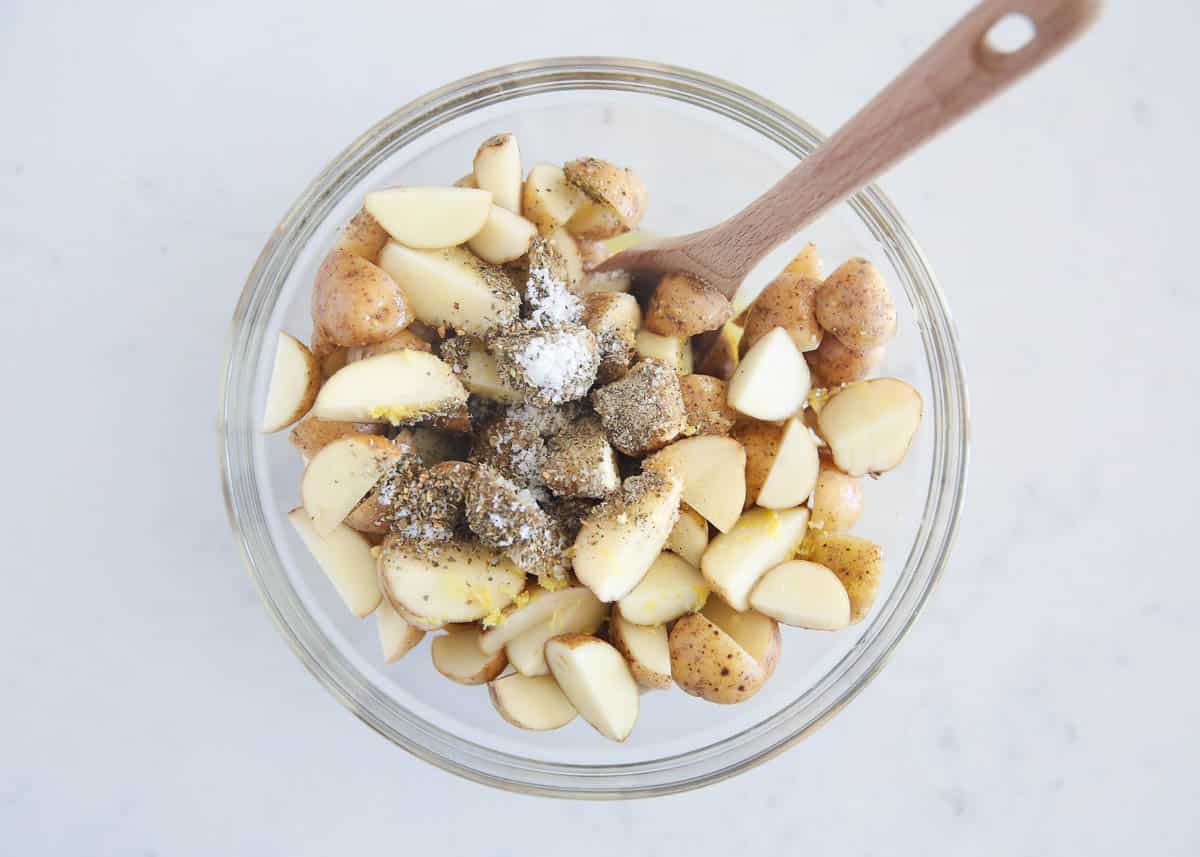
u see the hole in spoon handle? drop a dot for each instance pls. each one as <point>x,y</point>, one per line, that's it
<point>1047,25</point>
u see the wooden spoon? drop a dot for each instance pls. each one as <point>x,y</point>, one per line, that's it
<point>957,74</point>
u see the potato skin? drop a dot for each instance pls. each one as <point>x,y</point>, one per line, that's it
<point>595,221</point>
<point>833,364</point>
<point>643,676</point>
<point>856,561</point>
<point>356,303</point>
<point>788,302</point>
<point>605,182</point>
<point>837,500</point>
<point>761,441</point>
<point>402,341</point>
<point>706,662</point>
<point>682,306</point>
<point>311,434</point>
<point>854,305</point>
<point>704,399</point>
<point>370,517</point>
<point>715,352</point>
<point>362,236</point>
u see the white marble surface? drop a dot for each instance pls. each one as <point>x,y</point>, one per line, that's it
<point>1045,704</point>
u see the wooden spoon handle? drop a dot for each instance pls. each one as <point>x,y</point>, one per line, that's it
<point>957,74</point>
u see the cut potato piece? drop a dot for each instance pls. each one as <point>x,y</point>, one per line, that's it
<point>786,302</point>
<point>670,589</point>
<point>457,656</point>
<point>870,425</point>
<point>803,594</point>
<point>761,540</point>
<point>645,650</point>
<point>855,305</point>
<point>708,663</point>
<point>429,218</point>
<point>597,681</point>
<point>397,637</point>
<point>342,474</point>
<point>613,186</point>
<point>295,379</point>
<point>476,367</point>
<point>705,399</point>
<point>547,199</point>
<point>604,281</point>
<point>683,306</point>
<point>346,558</point>
<point>689,537</point>
<point>620,539</point>
<point>566,245</point>
<point>761,442</point>
<point>716,351</point>
<point>497,168</point>
<point>540,607</point>
<point>452,287</point>
<point>527,651</point>
<point>836,502</point>
<point>756,633</point>
<point>362,236</point>
<point>857,562</point>
<point>354,302</point>
<point>452,581</point>
<point>675,351</point>
<point>713,470</point>
<point>312,434</point>
<point>771,381</point>
<point>504,237</point>
<point>595,221</point>
<point>793,472</point>
<point>398,387</point>
<point>405,340</point>
<point>531,703</point>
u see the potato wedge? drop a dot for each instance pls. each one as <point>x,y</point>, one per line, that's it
<point>312,434</point>
<point>504,237</point>
<point>527,651</point>
<point>497,168</point>
<point>761,540</point>
<point>595,221</point>
<point>566,245</point>
<point>430,218</point>
<point>642,411</point>
<point>670,589</point>
<point>761,442</point>
<point>531,703</point>
<point>606,183</point>
<point>682,306</point>
<point>547,199</point>
<point>792,473</point>
<point>689,537</point>
<point>452,581</point>
<point>398,387</point>
<point>579,461</point>
<point>457,656</point>
<point>620,539</point>
<point>597,681</point>
<point>788,302</point>
<point>803,594</point>
<point>708,663</point>
<point>396,636</point>
<point>645,649</point>
<point>806,263</point>
<point>836,502</point>
<point>362,236</point>
<point>713,471</point>
<point>476,368</point>
<point>614,319</point>
<point>855,305</point>
<point>342,474</point>
<point>869,425</point>
<point>857,562</point>
<point>675,351</point>
<point>756,633</point>
<point>405,340</point>
<point>704,399</point>
<point>771,380</point>
<point>540,607</point>
<point>346,558</point>
<point>453,288</point>
<point>295,379</point>
<point>357,303</point>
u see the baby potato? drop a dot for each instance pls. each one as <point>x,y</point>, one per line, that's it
<point>761,441</point>
<point>806,263</point>
<point>402,341</point>
<point>704,402</point>
<point>356,302</point>
<point>606,183</point>
<point>312,434</point>
<point>370,517</point>
<point>362,236</point>
<point>682,306</point>
<point>836,501</point>
<point>857,562</point>
<point>595,221</point>
<point>854,304</point>
<point>833,364</point>
<point>788,302</point>
<point>708,663</point>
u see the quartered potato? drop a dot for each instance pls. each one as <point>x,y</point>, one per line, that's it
<point>547,199</point>
<point>504,236</point>
<point>405,340</point>
<point>669,589</point>
<point>646,650</point>
<point>674,351</point>
<point>454,581</point>
<point>357,303</point>
<point>312,434</point>
<point>429,218</point>
<point>759,541</point>
<point>295,380</point>
<point>789,301</point>
<point>704,399</point>
<point>394,388</point>
<point>457,656</point>
<point>836,502</point>
<point>833,364</point>
<point>597,681</point>
<point>535,703</point>
<point>708,663</point>
<point>682,306</point>
<point>606,183</point>
<point>792,473</point>
<point>535,607</point>
<point>362,236</point>
<point>595,221</point>
<point>756,633</point>
<point>857,562</point>
<point>804,594</point>
<point>855,305</point>
<point>341,474</point>
<point>396,636</point>
<point>527,651</point>
<point>772,379</point>
<point>713,472</point>
<point>497,169</point>
<point>346,558</point>
<point>869,425</point>
<point>689,537</point>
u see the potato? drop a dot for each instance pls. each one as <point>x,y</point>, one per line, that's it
<point>675,351</point>
<point>457,656</point>
<point>869,425</point>
<point>362,236</point>
<point>497,168</point>
<point>295,380</point>
<point>832,363</point>
<point>716,352</point>
<point>788,302</point>
<point>356,302</point>
<point>803,594</point>
<point>598,682</point>
<point>772,380</point>
<point>312,434</point>
<point>346,558</point>
<point>670,589</point>
<point>806,263</point>
<point>606,183</point>
<point>857,562</point>
<point>342,474</point>
<point>793,472</point>
<point>454,581</point>
<point>689,536</point>
<point>756,633</point>
<point>708,663</point>
<point>399,387</point>
<point>396,636</point>
<point>855,306</point>
<point>645,649</point>
<point>370,517</point>
<point>547,199</point>
<point>836,502</point>
<point>595,221</point>
<point>761,539</point>
<point>682,306</point>
<point>404,340</point>
<point>606,281</point>
<point>504,237</point>
<point>704,401</point>
<point>761,442</point>
<point>591,252</point>
<point>713,470</point>
<point>531,703</point>
<point>614,319</point>
<point>430,218</point>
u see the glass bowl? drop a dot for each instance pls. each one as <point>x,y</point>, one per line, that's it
<point>705,148</point>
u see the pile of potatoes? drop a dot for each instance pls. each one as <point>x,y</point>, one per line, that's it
<point>716,465</point>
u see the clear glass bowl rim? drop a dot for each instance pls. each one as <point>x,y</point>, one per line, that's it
<point>695,768</point>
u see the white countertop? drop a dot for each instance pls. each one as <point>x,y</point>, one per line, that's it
<point>1046,703</point>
